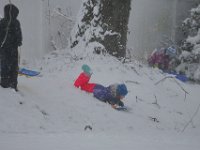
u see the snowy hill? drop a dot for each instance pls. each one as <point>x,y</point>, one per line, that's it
<point>49,113</point>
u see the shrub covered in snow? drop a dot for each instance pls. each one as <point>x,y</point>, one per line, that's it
<point>190,56</point>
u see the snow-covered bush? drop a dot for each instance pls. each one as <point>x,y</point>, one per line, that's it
<point>190,56</point>
<point>191,25</point>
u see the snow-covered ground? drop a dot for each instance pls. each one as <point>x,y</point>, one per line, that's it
<point>49,113</point>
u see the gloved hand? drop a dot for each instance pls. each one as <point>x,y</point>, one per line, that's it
<point>121,103</point>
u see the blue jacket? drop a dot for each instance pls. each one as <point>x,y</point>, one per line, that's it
<point>104,94</point>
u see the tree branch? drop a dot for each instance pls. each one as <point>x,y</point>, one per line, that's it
<point>175,82</point>
<point>191,120</point>
<point>156,102</point>
<point>163,79</point>
<point>182,89</point>
<point>63,15</point>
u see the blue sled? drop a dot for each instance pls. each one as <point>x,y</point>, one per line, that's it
<point>180,77</point>
<point>28,72</point>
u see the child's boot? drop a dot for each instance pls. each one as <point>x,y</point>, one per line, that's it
<point>86,69</point>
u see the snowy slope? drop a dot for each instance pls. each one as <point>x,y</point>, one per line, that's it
<point>49,113</point>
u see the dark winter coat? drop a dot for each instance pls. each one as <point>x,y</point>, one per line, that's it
<point>105,94</point>
<point>10,30</point>
<point>10,39</point>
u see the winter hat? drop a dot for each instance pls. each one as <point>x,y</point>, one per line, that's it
<point>86,69</point>
<point>12,10</point>
<point>171,51</point>
<point>122,90</point>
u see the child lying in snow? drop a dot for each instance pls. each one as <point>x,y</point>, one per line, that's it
<point>112,94</point>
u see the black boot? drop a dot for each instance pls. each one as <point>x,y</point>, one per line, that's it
<point>14,86</point>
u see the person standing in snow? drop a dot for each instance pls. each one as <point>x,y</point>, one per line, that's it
<point>10,40</point>
<point>112,94</point>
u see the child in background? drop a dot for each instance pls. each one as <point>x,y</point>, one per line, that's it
<point>162,58</point>
<point>112,94</point>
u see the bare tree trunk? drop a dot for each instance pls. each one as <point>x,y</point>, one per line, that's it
<point>115,14</point>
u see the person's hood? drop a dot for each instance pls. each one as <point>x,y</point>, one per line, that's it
<point>11,10</point>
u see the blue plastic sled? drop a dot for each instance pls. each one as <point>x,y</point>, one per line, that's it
<point>180,77</point>
<point>28,72</point>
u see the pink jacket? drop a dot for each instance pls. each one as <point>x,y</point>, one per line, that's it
<point>160,59</point>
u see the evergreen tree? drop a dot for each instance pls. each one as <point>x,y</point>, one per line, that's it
<point>190,56</point>
<point>190,28</point>
<point>104,22</point>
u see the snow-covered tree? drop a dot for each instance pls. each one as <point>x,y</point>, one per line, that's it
<point>190,56</point>
<point>105,23</point>
<point>190,27</point>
